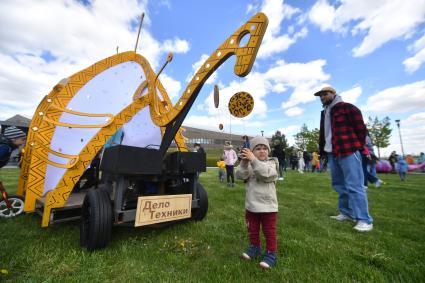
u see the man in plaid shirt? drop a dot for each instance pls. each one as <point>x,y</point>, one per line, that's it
<point>342,138</point>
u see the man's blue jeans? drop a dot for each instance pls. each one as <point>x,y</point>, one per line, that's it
<point>347,180</point>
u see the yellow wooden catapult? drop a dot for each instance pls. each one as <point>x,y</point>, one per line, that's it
<point>70,125</point>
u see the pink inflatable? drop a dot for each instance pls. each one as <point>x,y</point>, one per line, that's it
<point>384,166</point>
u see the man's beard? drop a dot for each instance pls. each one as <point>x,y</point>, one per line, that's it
<point>327,102</point>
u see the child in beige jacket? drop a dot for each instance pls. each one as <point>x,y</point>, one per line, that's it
<point>260,173</point>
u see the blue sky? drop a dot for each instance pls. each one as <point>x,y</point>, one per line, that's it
<point>372,52</point>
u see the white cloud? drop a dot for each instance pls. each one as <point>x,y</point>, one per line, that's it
<point>294,111</point>
<point>195,67</point>
<point>251,7</point>
<point>74,37</point>
<point>172,86</point>
<point>400,99</point>
<point>412,64</point>
<point>305,79</point>
<point>351,95</point>
<point>176,46</point>
<point>379,21</point>
<point>412,130</point>
<point>415,119</point>
<point>323,15</point>
<point>273,41</point>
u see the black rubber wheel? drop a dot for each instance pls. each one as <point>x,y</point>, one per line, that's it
<point>96,220</point>
<point>16,209</point>
<point>199,213</point>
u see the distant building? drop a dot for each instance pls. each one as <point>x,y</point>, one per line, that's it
<point>210,139</point>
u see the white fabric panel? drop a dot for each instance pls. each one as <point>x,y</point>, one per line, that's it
<point>140,131</point>
<point>107,93</point>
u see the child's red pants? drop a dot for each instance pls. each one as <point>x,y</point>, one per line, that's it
<point>267,221</point>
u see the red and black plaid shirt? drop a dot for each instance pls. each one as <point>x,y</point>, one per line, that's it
<point>348,129</point>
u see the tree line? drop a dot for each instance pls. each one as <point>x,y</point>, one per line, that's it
<point>305,139</point>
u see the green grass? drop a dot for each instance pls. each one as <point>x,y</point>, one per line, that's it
<point>312,247</point>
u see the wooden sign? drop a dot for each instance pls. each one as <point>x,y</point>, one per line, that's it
<point>157,209</point>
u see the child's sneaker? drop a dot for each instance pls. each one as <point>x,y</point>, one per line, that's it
<point>269,260</point>
<point>251,252</point>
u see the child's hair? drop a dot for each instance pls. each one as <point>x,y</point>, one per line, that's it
<point>221,158</point>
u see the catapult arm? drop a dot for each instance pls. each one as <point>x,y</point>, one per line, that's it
<point>172,119</point>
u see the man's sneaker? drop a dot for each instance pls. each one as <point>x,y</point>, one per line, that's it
<point>280,179</point>
<point>378,183</point>
<point>268,261</point>
<point>362,226</point>
<point>251,252</point>
<point>342,217</point>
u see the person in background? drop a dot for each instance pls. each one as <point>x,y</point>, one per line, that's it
<point>221,167</point>
<point>401,167</point>
<point>301,163</point>
<point>422,160</point>
<point>409,159</point>
<point>230,157</point>
<point>198,148</point>
<point>393,159</point>
<point>307,161</point>
<point>12,139</point>
<point>342,136</point>
<point>279,152</point>
<point>369,160</point>
<point>315,163</point>
<point>278,146</point>
<point>323,163</point>
<point>294,160</point>
<point>261,207</point>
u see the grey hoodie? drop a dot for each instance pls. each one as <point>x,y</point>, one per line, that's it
<point>328,124</point>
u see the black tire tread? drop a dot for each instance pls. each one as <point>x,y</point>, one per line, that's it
<point>98,234</point>
<point>200,213</point>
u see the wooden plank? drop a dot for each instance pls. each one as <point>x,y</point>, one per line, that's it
<point>75,200</point>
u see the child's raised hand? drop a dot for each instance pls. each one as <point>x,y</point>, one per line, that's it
<point>247,154</point>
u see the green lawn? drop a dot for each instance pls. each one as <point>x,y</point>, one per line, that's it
<point>312,247</point>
